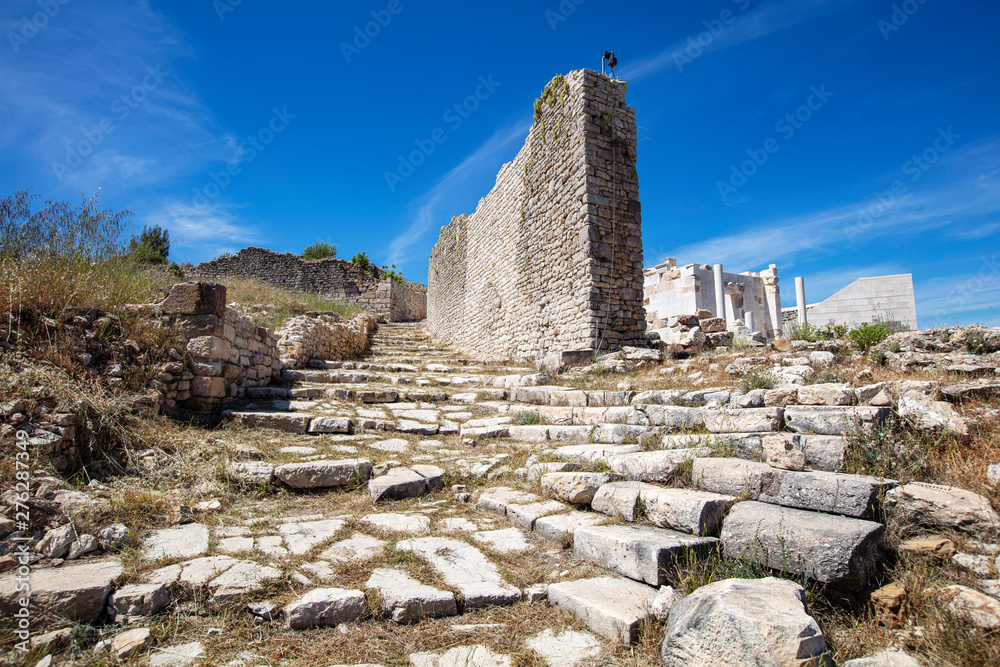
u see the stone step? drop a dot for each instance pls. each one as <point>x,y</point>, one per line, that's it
<point>828,420</point>
<point>642,553</point>
<point>830,549</point>
<point>823,452</point>
<point>836,493</point>
<point>686,510</point>
<point>406,600</point>
<point>612,607</point>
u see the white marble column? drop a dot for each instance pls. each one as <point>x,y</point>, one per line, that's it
<point>800,298</point>
<point>720,292</point>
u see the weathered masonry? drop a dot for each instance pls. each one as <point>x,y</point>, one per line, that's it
<point>551,260</point>
<point>335,278</point>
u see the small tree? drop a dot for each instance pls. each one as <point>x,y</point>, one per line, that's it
<point>320,250</point>
<point>152,246</point>
<point>361,259</point>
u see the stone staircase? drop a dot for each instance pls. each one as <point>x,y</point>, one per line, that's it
<point>604,469</point>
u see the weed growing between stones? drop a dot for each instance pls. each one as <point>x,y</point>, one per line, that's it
<point>758,380</point>
<point>885,449</point>
<point>868,336</point>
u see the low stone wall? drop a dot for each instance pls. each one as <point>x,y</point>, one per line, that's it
<point>344,281</point>
<point>224,352</point>
<point>326,337</point>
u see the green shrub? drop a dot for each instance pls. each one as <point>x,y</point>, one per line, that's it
<point>977,342</point>
<point>834,331</point>
<point>805,331</point>
<point>868,336</point>
<point>320,250</point>
<point>361,259</point>
<point>879,357</point>
<point>391,273</point>
<point>144,254</point>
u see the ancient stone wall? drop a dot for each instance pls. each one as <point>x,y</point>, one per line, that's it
<point>223,352</point>
<point>344,281</point>
<point>326,337</point>
<point>552,258</point>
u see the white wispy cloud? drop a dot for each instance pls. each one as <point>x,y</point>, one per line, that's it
<point>750,23</point>
<point>429,211</point>
<point>92,101</point>
<point>959,200</point>
<point>205,231</point>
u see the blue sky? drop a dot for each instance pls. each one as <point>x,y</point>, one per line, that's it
<point>834,138</point>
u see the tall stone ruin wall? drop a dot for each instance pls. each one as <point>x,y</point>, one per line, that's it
<point>551,260</point>
<point>344,281</point>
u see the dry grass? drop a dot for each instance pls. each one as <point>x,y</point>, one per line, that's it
<point>270,305</point>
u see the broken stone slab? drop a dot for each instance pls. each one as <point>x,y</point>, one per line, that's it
<point>749,420</point>
<point>618,433</point>
<point>325,473</point>
<point>507,540</point>
<point>933,506</point>
<point>830,393</point>
<point>831,549</point>
<point>980,609</point>
<point>288,422</point>
<point>656,466</point>
<point>525,516</point>
<point>399,523</point>
<point>536,470</point>
<point>837,493</point>
<point>583,454</point>
<point>827,420</point>
<point>419,428</point>
<point>935,418</point>
<point>401,483</point>
<point>139,600</point>
<point>561,528</point>
<point>657,397</point>
<point>575,487</point>
<point>243,578</point>
<point>128,643</point>
<point>406,600</point>
<point>640,553</point>
<point>250,472</point>
<point>744,622</point>
<point>465,569</point>
<point>497,499</point>
<point>782,453</point>
<point>178,655</point>
<point>569,648</point>
<point>324,607</point>
<point>890,657</point>
<point>330,425</point>
<point>301,537</point>
<point>187,541</point>
<point>461,656</point>
<point>357,548</point>
<point>78,592</point>
<point>532,433</point>
<point>612,607</point>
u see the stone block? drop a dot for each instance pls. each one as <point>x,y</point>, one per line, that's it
<point>935,507</point>
<point>830,549</point>
<point>406,600</point>
<point>575,487</point>
<point>209,347</point>
<point>325,607</point>
<point>837,493</point>
<point>324,474</point>
<point>194,298</point>
<point>744,622</point>
<point>612,607</point>
<point>829,420</point>
<point>641,553</point>
<point>208,387</point>
<point>77,592</point>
